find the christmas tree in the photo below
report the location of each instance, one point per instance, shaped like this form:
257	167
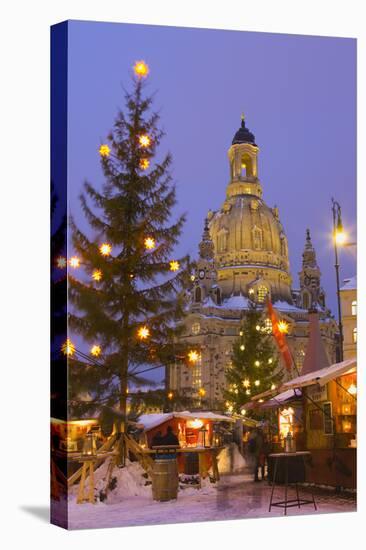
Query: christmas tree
130	301
254	367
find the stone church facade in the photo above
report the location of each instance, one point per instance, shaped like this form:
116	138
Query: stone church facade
243	258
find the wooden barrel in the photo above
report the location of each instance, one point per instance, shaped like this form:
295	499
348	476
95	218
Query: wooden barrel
165	479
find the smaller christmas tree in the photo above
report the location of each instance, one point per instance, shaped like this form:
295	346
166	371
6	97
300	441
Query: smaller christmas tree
254	366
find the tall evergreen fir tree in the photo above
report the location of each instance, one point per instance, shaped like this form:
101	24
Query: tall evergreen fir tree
254	367
130	301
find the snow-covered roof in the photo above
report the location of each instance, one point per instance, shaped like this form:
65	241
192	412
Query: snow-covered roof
285	306
236	302
350	284
150	421
322	376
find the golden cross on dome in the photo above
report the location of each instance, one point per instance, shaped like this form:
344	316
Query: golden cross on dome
243	117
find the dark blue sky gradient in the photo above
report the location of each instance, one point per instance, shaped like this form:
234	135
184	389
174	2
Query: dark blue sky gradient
299	97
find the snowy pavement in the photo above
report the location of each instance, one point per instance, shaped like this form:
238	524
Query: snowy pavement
234	497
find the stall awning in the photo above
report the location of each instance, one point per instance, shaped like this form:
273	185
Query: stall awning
275	402
150	421
321	376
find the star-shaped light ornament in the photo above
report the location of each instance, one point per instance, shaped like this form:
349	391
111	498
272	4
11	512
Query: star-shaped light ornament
74	262
104	150
141	69
96	350
246	383
68	348
282	327
144	140
193	356
105	249
61	262
202	392
174	265
143	332
144	164
149	243
97	275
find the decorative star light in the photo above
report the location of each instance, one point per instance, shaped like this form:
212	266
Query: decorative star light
61	262
193	356
202	392
104	150
149	243
143	332
68	347
144	140
282	327
74	261
105	249
141	69
246	383
96	350
174	265
97	275
144	164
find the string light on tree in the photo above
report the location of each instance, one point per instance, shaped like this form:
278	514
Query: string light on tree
257	363
243	412
242	347
74	262
174	265
104	150
97	275
246	383
270	361
143	332
149	243
68	348
141	69
273	387
257	383
105	249
96	350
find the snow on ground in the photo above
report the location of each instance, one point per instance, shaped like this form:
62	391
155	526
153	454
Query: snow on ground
235	496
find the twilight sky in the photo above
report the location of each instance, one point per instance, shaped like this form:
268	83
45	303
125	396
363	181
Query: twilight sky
298	94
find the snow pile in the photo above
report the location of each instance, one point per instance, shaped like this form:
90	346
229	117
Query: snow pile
230	460
131	481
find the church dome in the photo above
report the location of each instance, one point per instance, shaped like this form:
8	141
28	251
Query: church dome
250	244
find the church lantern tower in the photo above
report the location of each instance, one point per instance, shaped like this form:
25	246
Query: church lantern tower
205	275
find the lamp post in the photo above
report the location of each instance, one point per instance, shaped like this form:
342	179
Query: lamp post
339	238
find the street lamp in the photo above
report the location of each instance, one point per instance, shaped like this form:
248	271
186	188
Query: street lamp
339	238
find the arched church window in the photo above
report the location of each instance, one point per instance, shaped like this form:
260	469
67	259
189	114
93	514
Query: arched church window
354	335
246	166
354	307
283	246
257	238
198	294
262	293
218	296
222	240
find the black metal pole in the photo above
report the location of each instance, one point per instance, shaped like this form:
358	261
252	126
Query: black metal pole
336	213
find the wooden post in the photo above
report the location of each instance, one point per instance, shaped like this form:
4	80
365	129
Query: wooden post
88	467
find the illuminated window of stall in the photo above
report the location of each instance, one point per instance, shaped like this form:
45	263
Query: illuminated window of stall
286	421
354	335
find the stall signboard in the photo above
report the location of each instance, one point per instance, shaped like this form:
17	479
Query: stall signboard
317	393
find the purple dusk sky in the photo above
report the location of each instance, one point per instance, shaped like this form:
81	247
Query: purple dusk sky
298	94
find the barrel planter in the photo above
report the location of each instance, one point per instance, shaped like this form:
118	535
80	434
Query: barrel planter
165	479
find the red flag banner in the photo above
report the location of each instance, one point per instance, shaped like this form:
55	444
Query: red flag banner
279	329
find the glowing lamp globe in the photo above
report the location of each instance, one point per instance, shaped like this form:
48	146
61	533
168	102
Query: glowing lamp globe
352	389
340	237
141	69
